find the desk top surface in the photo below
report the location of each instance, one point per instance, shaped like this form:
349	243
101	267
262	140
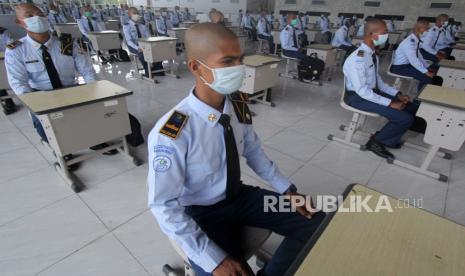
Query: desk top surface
42	102
104	32
259	60
321	46
157	39
406	241
66	24
452	64
443	96
179	29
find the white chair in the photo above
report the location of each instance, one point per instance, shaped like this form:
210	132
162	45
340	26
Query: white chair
399	78
252	240
289	61
263	46
356	124
340	53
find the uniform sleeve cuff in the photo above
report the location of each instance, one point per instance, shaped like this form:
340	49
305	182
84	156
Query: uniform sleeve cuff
280	183
211	257
386	101
424	71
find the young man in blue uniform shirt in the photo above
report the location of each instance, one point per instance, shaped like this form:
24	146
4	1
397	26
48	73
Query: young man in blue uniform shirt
368	92
194	184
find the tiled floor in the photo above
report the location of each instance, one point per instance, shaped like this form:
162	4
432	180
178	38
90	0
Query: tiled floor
46	229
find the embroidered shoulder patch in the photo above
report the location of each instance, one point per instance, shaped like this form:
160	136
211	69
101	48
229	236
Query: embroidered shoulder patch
14	44
173	126
361	53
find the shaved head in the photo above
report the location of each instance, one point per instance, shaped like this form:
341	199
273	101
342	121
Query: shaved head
132	10
25	10
420	27
205	39
375	26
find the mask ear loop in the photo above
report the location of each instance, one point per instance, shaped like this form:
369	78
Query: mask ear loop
206	66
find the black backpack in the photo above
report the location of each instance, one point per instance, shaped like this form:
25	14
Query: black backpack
310	68
135	138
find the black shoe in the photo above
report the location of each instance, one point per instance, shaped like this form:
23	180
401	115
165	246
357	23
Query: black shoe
8	106
396	146
159	74
72	167
378	149
104	145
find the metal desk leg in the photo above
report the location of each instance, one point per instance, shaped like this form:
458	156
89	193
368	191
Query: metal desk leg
149	67
62	168
126	153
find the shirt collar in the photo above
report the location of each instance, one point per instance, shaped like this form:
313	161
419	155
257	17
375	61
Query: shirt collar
37	45
366	48
206	112
414	37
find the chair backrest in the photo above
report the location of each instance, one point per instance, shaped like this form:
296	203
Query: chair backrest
343	100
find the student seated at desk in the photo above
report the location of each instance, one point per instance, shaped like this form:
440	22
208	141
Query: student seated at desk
300	30
249	25
101	16
432	46
365	90
216	17
162	24
264	31
323	22
282	21
55	17
8	105
175	17
132	32
87	23
390	25
361	28
288	39
41	62
149	17
342	40
194	181
408	60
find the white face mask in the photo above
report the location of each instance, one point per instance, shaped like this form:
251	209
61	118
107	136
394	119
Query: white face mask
445	24
226	80
135	17
381	40
37	24
53	11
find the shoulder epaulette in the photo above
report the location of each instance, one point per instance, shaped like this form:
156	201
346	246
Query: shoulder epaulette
174	125
14	44
412	40
361	53
239	102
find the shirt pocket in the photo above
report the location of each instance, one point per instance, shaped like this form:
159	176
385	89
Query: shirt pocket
35	67
203	171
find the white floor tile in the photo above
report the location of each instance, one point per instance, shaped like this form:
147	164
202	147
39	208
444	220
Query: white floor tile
457	177
455	205
20	162
144	239
30	193
43	238
11	141
125	196
104	257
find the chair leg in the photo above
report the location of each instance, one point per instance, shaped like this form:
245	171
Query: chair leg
351	129
398	83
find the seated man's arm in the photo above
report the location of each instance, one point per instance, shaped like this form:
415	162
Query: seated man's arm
386	88
428	41
127	36
415	61
83	65
17	73
167	168
260	163
355	73
81	27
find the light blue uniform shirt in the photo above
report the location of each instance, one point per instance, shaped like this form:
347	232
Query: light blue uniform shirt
83	24
431	38
149	16
130	33
286	37
56	18
162	25
261	27
361	30
175	18
408	52
191	170
390	26
282	22
361	76
270	19
26	69
341	37
247	22
5	39
324	24
100	15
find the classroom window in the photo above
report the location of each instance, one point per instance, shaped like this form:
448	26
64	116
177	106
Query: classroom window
372	4
440	5
318	2
291	2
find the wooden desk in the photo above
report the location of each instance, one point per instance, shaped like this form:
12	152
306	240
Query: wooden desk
112	25
79	117
261	74
443	109
325	52
105	40
159	48
178	33
187	24
453	73
458	51
68	28
406	241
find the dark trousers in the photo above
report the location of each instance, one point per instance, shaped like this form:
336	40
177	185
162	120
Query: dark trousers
295	54
447	51
39	128
303	39
429	56
140	55
328	36
410	71
222	224
270	41
252	33
399	121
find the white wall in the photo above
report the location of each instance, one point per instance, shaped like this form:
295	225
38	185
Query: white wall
226	6
411	9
